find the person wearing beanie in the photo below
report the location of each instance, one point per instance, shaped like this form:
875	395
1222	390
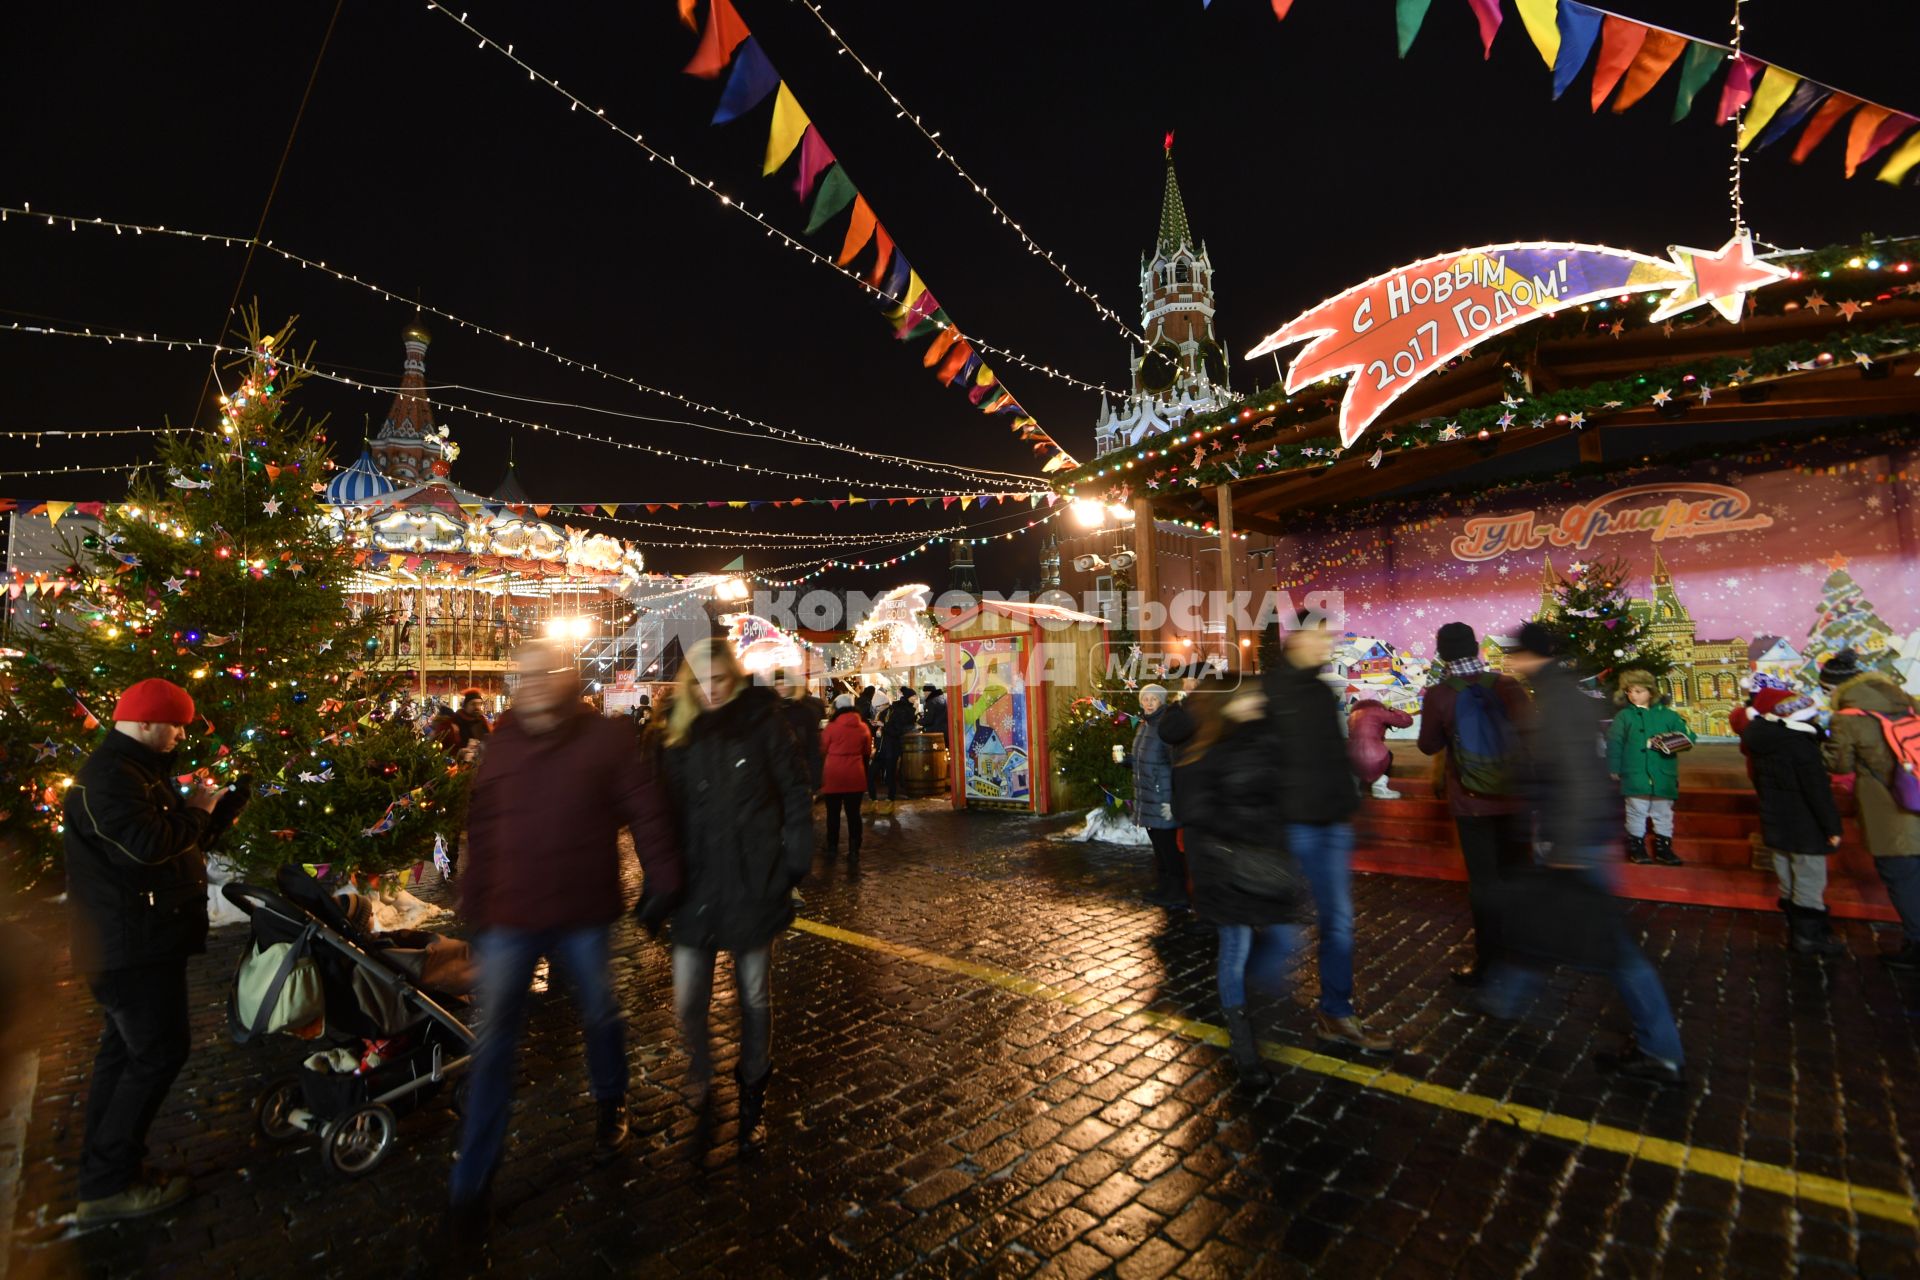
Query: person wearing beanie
470	721
933	711
847	748
901	719
1563	911
1152	766
1799	821
1840	668
1648	771
1486	813
136	853
1871	713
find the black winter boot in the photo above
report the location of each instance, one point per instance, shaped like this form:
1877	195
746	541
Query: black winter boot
1812	935
753	1102
1637	850
1243	1049
610	1134
1663	852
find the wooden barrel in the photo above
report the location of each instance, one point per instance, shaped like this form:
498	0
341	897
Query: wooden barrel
923	764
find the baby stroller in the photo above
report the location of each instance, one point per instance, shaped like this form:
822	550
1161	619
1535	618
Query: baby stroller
372	1006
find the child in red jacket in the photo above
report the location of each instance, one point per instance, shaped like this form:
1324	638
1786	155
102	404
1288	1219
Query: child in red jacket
1367	725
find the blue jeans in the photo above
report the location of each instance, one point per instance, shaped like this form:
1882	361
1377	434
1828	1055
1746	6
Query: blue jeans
1511	987
1902	878
1324	851
1254	953
506	959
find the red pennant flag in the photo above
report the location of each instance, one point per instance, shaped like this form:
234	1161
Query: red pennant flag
1280	8
652	507
882	255
859	231
937	349
1828	115
1487	14
956	361
1620	42
723	35
946	502
836	503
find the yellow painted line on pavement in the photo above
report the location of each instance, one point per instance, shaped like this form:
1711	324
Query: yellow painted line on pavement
1702	1161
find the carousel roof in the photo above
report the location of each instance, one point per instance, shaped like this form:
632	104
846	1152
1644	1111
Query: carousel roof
359	484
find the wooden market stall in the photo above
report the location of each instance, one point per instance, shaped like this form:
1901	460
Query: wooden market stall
1013	673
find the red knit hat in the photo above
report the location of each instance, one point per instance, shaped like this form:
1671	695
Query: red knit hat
1765	700
155	701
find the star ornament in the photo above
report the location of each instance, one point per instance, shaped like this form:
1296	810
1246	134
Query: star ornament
1721	279
175	585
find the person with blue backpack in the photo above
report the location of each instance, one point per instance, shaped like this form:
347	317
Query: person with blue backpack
1470	714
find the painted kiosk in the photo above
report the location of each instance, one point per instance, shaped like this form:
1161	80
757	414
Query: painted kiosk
1013	673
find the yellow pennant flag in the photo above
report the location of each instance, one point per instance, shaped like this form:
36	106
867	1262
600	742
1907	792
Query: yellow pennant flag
1901	161
915	287
1542	18
789	122
57	509
1776	86
851	499
737	505
611	508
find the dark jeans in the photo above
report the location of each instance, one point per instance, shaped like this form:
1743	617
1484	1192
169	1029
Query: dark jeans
847	802
1324	851
1169	863
1489	846
145	1044
1256	956
886	768
1902	878
1512	986
506	960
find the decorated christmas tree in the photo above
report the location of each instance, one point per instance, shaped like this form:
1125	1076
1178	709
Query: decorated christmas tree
1846	620
1599	633
226	575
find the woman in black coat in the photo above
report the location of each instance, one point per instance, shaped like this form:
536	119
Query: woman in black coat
744	803
1226	768
1798	819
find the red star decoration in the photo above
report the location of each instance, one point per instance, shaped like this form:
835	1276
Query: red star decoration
1835	562
1721	279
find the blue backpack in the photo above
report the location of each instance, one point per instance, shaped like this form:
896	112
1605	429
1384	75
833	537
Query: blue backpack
1482	740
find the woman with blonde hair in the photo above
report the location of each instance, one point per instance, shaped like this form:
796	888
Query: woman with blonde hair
744	801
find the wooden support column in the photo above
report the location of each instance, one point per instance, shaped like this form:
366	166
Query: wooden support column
1146	574
1590	446
1224	494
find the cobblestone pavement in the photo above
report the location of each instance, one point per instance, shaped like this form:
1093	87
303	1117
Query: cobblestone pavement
991	1059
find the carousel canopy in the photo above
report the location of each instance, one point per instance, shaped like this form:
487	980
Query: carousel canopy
359	484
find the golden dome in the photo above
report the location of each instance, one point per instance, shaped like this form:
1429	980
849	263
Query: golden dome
417	332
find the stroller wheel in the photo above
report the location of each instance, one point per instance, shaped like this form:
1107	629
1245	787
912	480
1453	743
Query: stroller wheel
459	1099
273	1110
359	1140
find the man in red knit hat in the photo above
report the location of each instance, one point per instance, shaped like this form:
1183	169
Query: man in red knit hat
137	880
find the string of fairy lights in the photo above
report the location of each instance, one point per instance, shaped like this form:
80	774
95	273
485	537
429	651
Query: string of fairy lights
201	344
576	103
75	222
979	188
889	562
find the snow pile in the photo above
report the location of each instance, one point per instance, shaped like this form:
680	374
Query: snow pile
1108	826
220	912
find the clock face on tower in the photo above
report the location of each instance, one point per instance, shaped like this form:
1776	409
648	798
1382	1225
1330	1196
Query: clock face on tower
1159	367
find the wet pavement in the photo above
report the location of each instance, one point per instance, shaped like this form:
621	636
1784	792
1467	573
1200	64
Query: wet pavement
992	1058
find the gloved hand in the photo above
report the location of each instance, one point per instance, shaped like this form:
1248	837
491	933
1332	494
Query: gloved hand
1166	811
653	909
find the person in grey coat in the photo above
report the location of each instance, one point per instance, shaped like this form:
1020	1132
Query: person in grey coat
1153	801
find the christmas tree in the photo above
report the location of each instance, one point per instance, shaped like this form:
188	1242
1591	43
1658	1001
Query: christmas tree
1597	631
227	576
1846	620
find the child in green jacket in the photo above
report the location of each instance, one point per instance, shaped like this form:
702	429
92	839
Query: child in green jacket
1649	777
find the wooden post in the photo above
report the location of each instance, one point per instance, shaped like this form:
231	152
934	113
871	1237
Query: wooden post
1224	495
1146	574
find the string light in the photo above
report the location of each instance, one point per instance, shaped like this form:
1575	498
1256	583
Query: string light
201	344
728	202
785	434
891	561
68	471
90	432
1739	128
979	189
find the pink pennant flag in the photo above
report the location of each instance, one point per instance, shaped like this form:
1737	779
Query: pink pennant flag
1487	14
1738	89
814	158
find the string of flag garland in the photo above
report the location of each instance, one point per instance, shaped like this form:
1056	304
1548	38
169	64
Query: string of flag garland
823	567
940	149
726	45
359	384
1765	99
782	434
835	184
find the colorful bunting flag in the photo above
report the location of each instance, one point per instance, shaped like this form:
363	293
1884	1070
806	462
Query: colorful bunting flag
1701	62
814	157
859	230
1620	42
725	32
752	80
1542	23
1660	50
1895	170
882	255
1487	14
1579	27
1737	88
789	123
1407	17
1831	112
836	193
1776	86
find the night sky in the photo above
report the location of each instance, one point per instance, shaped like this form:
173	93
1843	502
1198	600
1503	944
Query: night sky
1309	155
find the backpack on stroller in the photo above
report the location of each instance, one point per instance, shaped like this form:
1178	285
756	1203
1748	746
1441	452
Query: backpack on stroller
372	1006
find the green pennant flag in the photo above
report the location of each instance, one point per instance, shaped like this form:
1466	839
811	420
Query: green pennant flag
1701	62
1408	15
933	324
836	193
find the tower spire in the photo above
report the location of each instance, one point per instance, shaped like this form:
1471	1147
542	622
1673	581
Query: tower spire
1174	231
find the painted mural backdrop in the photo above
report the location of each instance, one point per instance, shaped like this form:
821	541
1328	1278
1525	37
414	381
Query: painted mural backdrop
994	726
1736	567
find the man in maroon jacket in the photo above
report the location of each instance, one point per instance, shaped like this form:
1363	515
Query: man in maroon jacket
542	878
1493	827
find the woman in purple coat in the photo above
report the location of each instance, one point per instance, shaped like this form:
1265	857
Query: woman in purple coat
1367	725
